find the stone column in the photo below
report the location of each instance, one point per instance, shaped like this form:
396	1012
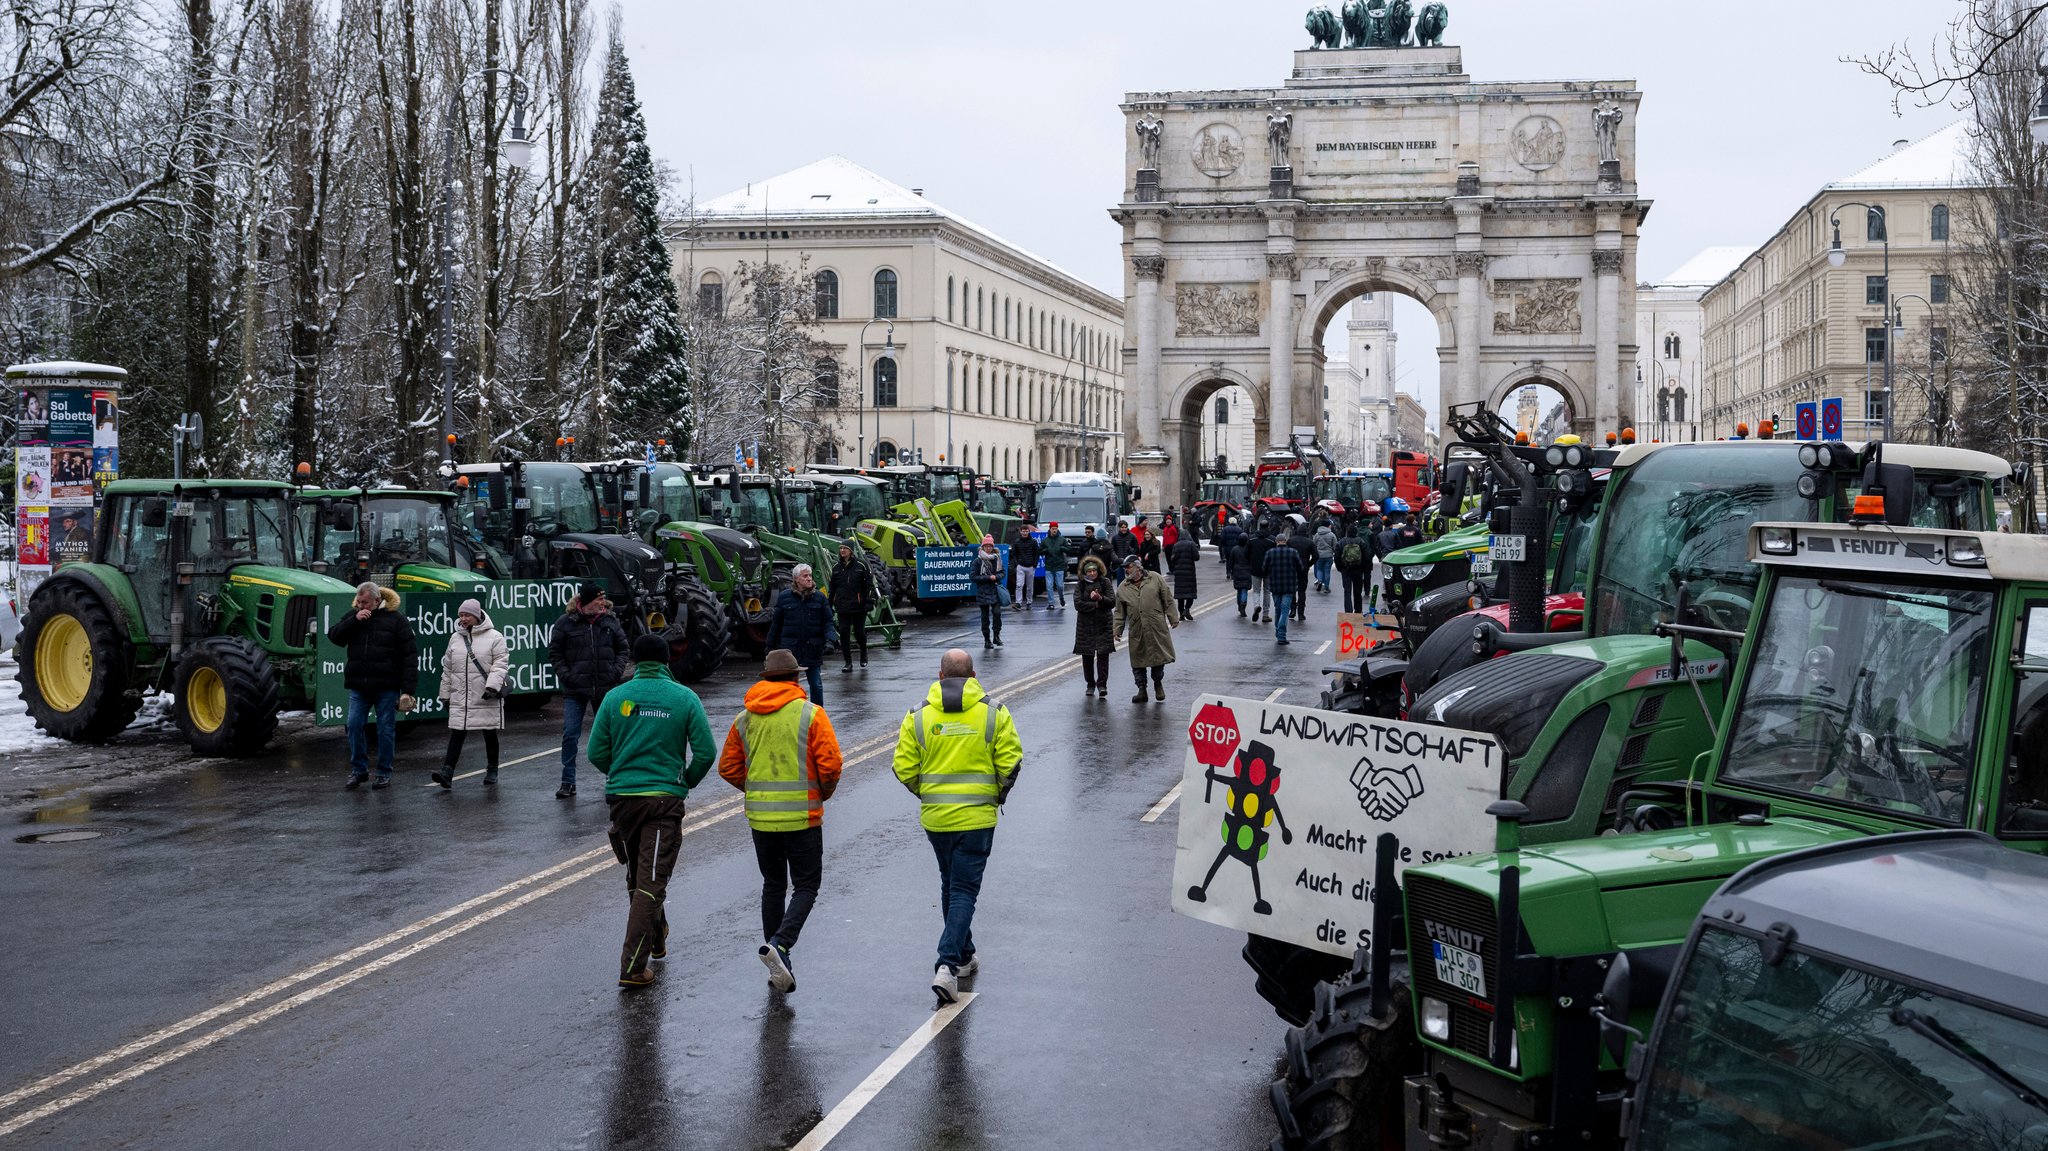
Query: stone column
1280	362
1606	342
1150	270
1471	316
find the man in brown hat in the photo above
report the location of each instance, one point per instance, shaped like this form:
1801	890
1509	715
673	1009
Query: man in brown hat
782	753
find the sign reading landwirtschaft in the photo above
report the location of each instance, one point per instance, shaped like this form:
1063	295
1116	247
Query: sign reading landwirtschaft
523	611
1298	863
948	572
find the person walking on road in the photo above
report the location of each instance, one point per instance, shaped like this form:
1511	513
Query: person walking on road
1145	613
1123	545
1023	567
653	743
1094	633
1054	549
589	650
959	754
1228	537
1182	559
1285	574
382	664
1150	553
1241	577
1304	547
1256	545
802	622
988	592
1095	545
1325	541
1169	533
853	597
782	753
473	674
1354	564
1400	533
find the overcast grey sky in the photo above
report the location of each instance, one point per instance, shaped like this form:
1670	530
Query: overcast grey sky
1007	113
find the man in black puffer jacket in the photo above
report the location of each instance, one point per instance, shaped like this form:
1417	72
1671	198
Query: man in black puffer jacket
588	648
383	664
853	597
1023	568
802	622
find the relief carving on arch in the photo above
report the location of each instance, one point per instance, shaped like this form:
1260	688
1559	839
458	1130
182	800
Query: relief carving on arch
1216	310
1429	269
1537	307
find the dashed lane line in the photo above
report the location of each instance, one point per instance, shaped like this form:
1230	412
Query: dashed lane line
1324	648
865	1092
1153	813
1277	693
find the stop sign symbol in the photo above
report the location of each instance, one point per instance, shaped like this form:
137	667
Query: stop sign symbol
1214	734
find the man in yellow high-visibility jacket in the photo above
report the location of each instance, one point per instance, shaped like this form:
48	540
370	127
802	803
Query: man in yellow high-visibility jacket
958	752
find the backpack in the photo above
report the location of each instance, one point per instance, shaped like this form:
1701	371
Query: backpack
1352	556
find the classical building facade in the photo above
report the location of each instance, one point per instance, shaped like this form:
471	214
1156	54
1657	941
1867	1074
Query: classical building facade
1253	216
1358	399
1669	325
1786	326
1002	362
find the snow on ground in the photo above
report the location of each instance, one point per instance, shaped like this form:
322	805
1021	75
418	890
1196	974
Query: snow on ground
18	733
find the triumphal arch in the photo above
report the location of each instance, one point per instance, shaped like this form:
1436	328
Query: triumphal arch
1252	216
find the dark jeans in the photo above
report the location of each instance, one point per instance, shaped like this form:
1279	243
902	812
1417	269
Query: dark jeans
814	675
573	712
1158	675
1354	591
455	739
991	612
1095	668
1283	610
1187	607
853	632
963	855
648	828
359	706
788	859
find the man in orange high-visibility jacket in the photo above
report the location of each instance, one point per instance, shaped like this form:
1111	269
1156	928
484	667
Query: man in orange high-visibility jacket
783	754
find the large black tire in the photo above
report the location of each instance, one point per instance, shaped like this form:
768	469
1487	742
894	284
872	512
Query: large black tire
701	647
1341	1090
72	612
1288	974
226	697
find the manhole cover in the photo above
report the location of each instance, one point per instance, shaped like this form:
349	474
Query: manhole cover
69	834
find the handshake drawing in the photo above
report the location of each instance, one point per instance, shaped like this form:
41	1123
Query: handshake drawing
1384	792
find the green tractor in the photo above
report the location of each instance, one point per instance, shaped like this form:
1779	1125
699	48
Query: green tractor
942	484
191	589
1892	678
409	540
914	522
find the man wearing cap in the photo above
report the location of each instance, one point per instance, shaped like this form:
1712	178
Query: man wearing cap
1054	549
588	649
653	744
782	753
959	754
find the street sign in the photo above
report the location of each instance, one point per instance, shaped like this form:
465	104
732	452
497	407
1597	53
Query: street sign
1213	734
1509	549
1806	420
1302	869
1358	633
1831	419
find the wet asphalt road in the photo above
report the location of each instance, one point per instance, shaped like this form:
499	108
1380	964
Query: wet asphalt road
415	968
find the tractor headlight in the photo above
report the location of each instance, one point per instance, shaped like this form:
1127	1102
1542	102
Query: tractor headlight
1415	573
1436	1017
1966	551
1776	541
1808	485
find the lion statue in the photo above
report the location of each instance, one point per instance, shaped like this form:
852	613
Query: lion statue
1429	27
1323	28
1400	17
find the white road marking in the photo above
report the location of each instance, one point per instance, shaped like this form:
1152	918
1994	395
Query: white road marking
1277	692
864	1093
506	764
1324	648
1153	813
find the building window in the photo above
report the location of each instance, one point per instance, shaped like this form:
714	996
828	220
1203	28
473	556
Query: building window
885	383
825	375
826	294
1937	223
1678	404
885	452
1873	290
1937	288
980	312
1006	317
1873	224
1873	407
711	294
949	299
1937	345
885	294
1673	347
1873	345
827	453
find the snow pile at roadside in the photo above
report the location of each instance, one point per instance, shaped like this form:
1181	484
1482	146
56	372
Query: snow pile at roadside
17	731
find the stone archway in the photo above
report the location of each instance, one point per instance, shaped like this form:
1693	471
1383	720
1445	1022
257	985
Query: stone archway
1509	210
1188	407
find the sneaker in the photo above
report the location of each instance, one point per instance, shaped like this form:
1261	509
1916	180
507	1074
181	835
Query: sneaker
847	668
946	985
780	975
380	783
641	978
971	968
354	781
445	777
566	791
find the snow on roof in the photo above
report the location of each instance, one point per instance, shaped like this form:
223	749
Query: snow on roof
837	188
68	369
1707	268
1938	160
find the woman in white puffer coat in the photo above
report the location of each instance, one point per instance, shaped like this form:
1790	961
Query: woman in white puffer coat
473	676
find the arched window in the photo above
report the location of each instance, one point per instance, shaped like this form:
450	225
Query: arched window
1937	223
885	383
1006	317
1673	347
826	453
885	452
885	294
1222	410
1678	404
826	294
949	299
825	373
980	312
711	294
980	383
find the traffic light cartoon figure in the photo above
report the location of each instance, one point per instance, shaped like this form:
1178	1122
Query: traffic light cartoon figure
1252	809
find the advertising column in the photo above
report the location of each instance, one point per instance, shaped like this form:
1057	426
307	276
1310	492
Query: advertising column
67	446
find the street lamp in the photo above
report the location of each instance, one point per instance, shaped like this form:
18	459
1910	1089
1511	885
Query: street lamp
1897	326
518	153
860	401
1837	257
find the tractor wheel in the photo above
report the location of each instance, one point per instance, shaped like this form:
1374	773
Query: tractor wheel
700	648
226	696
1288	974
1342	1087
878	574
75	666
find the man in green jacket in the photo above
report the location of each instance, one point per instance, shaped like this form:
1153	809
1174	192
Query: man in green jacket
958	752
653	743
1054	551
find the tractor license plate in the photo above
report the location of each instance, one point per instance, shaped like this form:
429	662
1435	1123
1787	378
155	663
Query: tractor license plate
1460	968
1513	549
1482	565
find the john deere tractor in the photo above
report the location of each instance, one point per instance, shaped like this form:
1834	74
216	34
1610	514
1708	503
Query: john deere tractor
191	590
410	540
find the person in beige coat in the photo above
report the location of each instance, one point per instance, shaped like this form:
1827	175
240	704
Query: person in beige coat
1145	612
473	677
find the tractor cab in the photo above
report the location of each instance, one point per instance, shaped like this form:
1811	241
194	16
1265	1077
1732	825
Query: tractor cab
411	540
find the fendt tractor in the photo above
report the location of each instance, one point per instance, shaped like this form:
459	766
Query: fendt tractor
1893	678
191	590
